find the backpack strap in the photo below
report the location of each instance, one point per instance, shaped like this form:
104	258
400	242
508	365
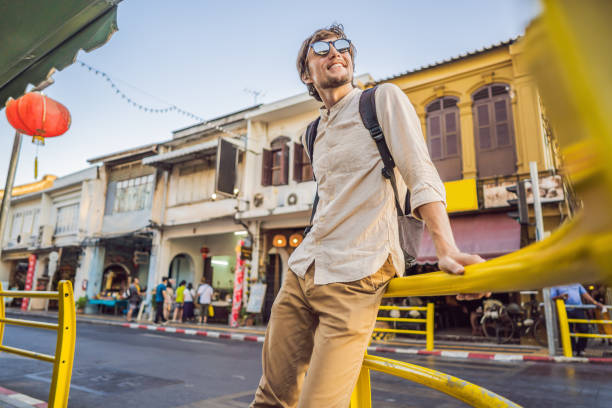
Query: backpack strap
311	135
367	110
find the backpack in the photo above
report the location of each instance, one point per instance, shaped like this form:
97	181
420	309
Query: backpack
410	229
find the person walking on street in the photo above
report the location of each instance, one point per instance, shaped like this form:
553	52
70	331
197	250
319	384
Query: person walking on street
160	293
178	303
323	316
573	295
169	299
188	296
133	298
205	292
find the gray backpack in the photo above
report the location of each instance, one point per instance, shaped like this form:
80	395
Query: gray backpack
410	228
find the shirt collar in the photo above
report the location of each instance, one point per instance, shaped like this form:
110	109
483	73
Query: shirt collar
325	113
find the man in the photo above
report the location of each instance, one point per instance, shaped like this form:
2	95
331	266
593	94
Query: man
160	295
323	316
205	292
178	303
133	298
573	295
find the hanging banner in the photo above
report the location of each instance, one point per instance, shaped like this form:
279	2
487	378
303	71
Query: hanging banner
29	280
238	285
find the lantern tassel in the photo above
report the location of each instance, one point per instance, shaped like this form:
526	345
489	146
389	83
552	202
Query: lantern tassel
36	167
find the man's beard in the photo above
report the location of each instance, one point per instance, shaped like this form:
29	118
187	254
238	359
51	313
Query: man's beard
331	83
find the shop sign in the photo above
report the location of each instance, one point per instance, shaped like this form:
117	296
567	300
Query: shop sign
238	286
140	258
246	253
496	195
29	280
256	298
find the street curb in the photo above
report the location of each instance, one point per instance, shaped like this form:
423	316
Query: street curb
20	400
503	357
193	332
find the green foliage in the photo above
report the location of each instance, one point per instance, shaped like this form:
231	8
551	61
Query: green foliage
81	302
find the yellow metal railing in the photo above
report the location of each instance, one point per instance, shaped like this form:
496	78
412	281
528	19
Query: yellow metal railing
66	335
564	323
429	322
462	390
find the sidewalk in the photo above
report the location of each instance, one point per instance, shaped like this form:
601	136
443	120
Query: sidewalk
448	346
13	399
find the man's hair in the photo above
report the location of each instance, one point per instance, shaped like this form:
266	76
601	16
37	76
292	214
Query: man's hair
165	278
302	64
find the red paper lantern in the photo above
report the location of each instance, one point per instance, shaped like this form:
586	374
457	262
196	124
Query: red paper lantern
37	115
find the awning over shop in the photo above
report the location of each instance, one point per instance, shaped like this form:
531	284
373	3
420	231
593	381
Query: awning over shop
40	36
181	155
488	235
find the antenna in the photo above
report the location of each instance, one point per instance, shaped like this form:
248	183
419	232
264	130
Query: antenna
255	93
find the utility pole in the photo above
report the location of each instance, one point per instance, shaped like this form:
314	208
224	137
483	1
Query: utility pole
549	312
10	177
256	94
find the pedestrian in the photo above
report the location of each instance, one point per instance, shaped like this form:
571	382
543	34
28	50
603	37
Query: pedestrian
134	298
323	316
178	303
160	293
188	296
205	292
169	299
573	295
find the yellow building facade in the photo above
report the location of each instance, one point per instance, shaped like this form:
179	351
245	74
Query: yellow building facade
461	78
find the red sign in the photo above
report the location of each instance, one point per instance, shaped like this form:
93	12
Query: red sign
29	280
238	280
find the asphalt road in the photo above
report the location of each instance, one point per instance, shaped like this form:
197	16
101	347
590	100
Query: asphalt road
118	367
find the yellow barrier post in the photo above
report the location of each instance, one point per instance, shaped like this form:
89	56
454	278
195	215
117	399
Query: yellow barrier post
362	394
564	326
1	316
64	351
429	327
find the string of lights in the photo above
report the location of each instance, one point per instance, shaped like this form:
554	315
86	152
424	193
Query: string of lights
149	109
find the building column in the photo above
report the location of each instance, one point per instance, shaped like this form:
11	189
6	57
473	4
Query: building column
93	269
468	139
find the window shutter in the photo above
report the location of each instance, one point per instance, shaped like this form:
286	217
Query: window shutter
266	168
284	164
297	162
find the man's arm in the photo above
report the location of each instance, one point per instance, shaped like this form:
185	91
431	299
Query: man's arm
590	299
450	258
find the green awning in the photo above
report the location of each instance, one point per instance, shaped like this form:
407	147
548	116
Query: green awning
40	36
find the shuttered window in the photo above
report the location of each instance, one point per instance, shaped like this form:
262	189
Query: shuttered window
493	131
492	110
302	170
443	138
275	163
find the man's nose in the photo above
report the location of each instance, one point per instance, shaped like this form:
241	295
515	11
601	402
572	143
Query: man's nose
333	52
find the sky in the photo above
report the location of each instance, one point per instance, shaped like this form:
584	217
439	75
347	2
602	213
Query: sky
201	56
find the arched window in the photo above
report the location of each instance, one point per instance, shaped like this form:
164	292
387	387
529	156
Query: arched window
443	137
275	165
495	152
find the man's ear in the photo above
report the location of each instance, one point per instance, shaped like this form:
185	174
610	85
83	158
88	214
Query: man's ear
306	77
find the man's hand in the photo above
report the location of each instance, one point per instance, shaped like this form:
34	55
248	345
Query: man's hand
454	264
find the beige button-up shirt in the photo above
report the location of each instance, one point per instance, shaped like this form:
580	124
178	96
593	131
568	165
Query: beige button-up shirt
355	226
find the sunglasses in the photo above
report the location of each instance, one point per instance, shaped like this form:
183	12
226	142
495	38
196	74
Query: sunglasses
322	47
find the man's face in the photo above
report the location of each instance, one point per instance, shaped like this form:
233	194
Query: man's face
136	281
329	71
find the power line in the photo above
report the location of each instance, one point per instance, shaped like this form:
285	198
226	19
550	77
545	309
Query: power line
150	109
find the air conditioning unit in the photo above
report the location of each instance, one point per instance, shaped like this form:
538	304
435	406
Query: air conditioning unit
292	198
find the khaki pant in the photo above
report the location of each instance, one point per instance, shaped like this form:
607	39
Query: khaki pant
324	329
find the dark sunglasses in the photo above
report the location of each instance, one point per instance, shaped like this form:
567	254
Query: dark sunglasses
323	47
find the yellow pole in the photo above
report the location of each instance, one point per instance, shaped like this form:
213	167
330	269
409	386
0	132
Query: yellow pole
564	325
429	327
64	349
1	315
362	394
